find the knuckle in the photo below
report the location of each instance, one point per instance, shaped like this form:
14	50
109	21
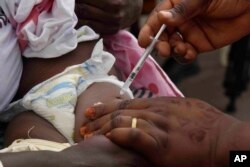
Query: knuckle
116	122
116	114
157	110
124	104
180	9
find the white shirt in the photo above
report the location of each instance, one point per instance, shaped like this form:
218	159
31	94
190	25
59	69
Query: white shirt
52	35
10	62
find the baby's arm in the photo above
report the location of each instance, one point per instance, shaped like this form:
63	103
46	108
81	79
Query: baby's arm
36	70
97	92
29	125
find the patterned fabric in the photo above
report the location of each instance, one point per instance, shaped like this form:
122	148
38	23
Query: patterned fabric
151	77
3	18
143	93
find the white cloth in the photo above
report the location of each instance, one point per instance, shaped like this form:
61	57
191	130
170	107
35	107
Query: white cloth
1	164
56	98
10	62
34	145
44	28
40	28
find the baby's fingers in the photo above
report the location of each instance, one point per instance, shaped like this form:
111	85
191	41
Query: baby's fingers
101	109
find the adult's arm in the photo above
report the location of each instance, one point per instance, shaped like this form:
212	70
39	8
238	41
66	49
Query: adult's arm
171	131
36	159
96	152
108	16
203	25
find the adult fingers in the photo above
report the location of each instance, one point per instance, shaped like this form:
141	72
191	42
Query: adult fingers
139	140
100	126
162	44
183	52
183	11
125	122
99	110
152	25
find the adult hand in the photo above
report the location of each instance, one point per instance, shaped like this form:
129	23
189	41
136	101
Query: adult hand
108	16
99	151
172	132
196	26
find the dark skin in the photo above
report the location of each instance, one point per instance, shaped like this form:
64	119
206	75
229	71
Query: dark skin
171	131
105	152
32	75
96	152
108	16
97	92
205	25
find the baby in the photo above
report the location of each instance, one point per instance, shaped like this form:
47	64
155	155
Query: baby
58	104
86	76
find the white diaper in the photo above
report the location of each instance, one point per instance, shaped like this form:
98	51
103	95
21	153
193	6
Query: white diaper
55	99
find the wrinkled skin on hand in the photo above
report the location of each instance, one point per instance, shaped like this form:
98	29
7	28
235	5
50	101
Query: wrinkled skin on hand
99	151
170	131
108	16
204	25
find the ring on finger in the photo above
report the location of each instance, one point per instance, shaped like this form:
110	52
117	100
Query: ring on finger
134	123
179	34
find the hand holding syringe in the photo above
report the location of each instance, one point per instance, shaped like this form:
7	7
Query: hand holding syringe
140	63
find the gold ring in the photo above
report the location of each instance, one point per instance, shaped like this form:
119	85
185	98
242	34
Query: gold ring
134	123
179	34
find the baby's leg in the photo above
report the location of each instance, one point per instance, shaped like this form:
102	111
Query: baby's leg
29	125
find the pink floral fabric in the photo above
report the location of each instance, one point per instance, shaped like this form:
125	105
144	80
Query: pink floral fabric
125	48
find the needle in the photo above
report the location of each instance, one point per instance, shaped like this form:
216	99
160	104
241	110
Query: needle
141	61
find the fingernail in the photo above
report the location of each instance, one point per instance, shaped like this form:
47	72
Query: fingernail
90	113
88	135
98	103
167	14
83	131
108	135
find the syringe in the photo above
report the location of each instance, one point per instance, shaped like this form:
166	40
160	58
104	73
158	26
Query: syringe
140	63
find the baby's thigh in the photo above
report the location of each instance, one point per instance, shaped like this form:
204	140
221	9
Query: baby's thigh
29	125
97	92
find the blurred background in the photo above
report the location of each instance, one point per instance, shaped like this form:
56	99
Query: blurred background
220	78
